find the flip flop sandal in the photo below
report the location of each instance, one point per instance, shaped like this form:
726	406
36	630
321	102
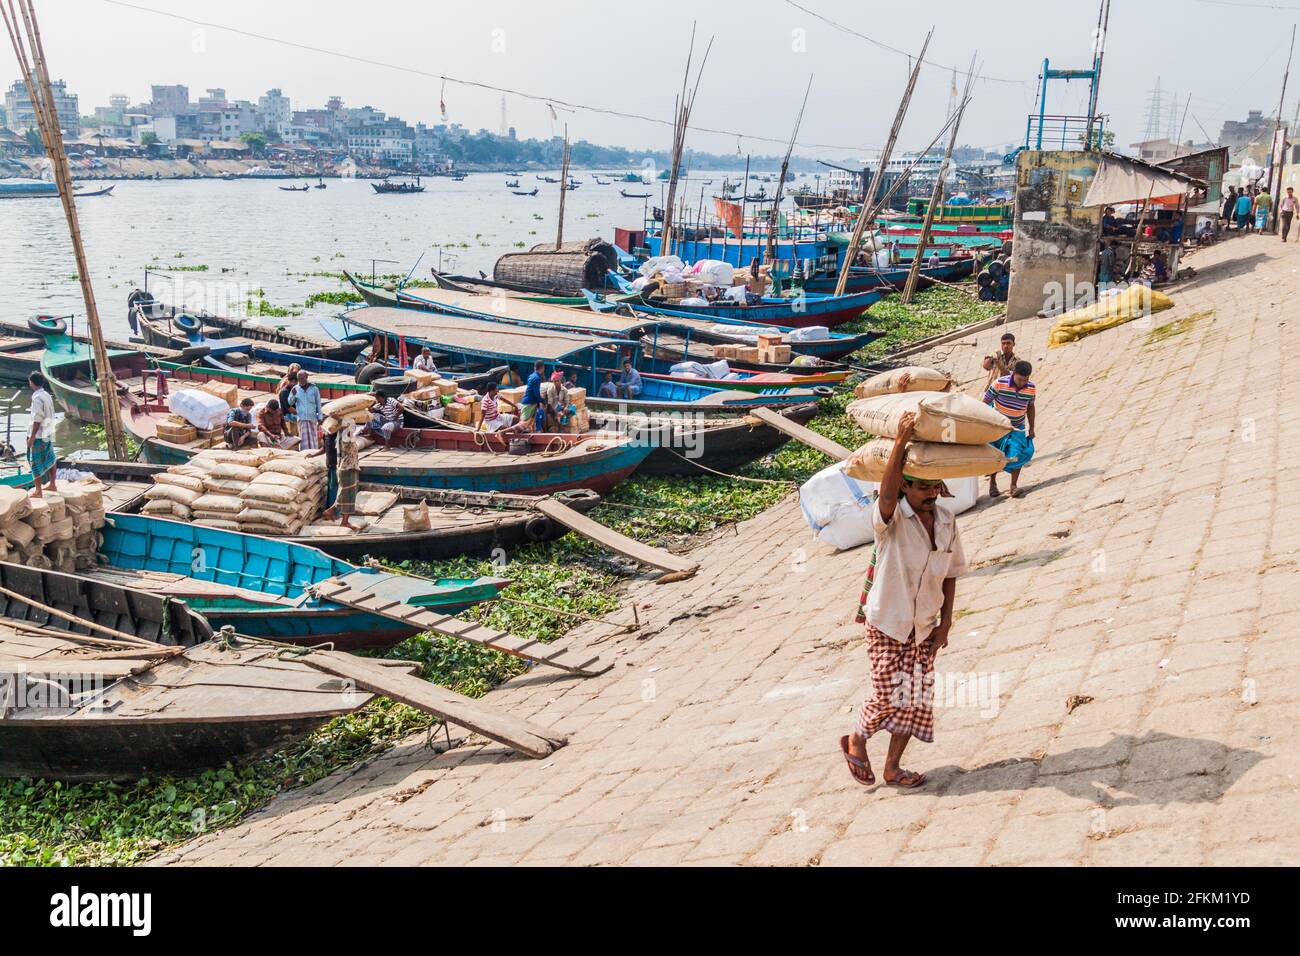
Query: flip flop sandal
906	780
868	779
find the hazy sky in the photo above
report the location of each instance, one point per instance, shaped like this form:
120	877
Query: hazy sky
629	57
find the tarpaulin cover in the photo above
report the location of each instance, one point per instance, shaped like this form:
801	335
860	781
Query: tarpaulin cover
1118	181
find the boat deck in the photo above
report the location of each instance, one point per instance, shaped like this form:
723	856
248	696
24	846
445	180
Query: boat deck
178	585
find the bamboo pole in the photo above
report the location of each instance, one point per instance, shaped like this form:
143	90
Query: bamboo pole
31	60
683	106
780	186
868	211
564	189
936	197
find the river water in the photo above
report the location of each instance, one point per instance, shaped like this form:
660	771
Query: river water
252	236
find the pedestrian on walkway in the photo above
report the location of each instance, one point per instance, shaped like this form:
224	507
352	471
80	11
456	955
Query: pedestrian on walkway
1004	359
1229	206
1263	206
1286	211
306	402
1013	395
907	606
1243	211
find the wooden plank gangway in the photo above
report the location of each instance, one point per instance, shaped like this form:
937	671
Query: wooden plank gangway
614	541
581	663
801	433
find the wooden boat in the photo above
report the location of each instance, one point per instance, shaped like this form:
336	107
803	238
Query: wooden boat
756	381
446	459
69	367
320	184
627	195
464	523
807	310
864	280
295	189
35	188
548	179
106	191
171	328
520	192
512	185
20	355
387	188
263	586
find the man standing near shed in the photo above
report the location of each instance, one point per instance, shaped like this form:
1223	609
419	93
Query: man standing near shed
1286	210
907	606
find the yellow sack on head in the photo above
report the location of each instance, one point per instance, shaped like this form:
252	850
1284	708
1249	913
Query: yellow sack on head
929	461
950	417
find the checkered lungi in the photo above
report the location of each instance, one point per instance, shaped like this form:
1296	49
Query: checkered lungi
902	682
309	432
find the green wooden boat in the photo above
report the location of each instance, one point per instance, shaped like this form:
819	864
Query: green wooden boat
70	369
374	294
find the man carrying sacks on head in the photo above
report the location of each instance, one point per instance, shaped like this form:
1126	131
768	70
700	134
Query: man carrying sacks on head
907	606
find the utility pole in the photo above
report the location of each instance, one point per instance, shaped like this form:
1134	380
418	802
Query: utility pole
1275	168
936	198
31	60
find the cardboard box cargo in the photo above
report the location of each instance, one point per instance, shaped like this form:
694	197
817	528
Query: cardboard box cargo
447	387
458	414
227	393
422	379
777	355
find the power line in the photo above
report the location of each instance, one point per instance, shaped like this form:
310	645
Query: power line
892	49
622	114
1255	6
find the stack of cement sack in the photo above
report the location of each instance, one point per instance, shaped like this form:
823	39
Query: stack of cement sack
267	491
351	409
951	443
59	530
952	433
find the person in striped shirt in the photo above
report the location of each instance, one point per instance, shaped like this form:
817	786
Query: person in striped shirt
1013	395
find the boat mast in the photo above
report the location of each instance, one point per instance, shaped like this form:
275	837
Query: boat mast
780	186
564	188
681	120
31	60
936	198
869	205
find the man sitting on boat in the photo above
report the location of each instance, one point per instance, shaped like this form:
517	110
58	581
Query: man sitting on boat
532	411
629	385
270	426
608	388
385	417
240	430
494	420
424	361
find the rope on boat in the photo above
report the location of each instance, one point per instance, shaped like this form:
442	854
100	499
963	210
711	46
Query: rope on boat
761	481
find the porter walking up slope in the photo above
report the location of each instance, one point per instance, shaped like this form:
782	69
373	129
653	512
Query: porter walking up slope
1118	687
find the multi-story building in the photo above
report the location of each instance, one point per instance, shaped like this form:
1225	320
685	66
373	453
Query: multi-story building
169	100
276	111
1257	128
20	115
391	141
214	102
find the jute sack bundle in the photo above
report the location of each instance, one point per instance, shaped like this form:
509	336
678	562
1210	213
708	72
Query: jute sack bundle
950	417
14	505
886	383
58	507
1106	313
284	481
180	481
259	491
235	472
929	461
220	504
223	486
174	493
20	533
279	507
259	516
81	524
342	407
40	514
64	530
298	467
416	518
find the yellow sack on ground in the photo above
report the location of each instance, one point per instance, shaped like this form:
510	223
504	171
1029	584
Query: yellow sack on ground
949	417
886	383
1108	312
929	461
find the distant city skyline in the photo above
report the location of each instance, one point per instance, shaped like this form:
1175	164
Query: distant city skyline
761	58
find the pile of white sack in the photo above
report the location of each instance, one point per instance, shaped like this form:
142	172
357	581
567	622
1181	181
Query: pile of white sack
58	531
268	491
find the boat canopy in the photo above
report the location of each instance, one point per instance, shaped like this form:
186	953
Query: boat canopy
462	334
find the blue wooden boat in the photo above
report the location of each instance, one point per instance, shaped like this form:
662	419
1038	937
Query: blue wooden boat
261	586
801	312
865	279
